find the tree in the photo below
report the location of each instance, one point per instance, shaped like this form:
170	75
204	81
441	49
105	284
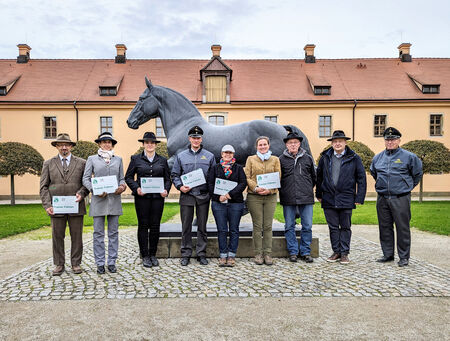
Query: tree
435	157
364	152
161	149
18	159
84	149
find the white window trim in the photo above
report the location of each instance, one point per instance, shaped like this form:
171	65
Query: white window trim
217	113
331	126
100	124
442	125
271	115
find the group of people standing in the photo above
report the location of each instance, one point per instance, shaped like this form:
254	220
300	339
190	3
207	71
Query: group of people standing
339	179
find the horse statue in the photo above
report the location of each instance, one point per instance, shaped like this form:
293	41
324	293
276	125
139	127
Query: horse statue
178	115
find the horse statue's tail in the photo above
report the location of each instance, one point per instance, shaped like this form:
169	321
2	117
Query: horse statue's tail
293	129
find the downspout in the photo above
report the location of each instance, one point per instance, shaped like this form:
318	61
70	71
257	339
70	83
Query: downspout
353	119
76	118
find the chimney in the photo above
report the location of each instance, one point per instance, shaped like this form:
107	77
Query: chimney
24	53
216	50
121	57
309	53
404	52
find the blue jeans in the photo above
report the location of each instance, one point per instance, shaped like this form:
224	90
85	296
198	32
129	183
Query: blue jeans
306	215
228	217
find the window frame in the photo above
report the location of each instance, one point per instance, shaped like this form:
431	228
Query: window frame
430	87
108	90
267	118
375	124
433	125
325	126
319	90
159	126
225	98
101	131
51	137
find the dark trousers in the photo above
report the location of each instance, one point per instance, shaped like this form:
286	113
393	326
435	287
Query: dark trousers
339	222
149	212
392	210
76	237
187	215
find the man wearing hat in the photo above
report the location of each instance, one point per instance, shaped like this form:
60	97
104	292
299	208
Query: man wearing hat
298	178
341	184
62	176
396	172
193	158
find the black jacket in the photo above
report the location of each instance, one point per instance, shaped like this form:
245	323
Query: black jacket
346	193
141	166
237	175
298	178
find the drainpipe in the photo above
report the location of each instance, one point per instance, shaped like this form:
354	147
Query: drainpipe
76	117
353	119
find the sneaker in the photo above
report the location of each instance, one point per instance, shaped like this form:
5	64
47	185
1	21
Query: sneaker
307	258
268	260
293	258
112	268
231	262
259	260
101	269
344	259
222	262
334	257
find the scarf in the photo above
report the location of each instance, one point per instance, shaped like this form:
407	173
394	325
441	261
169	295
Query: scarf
106	155
265	156
226	166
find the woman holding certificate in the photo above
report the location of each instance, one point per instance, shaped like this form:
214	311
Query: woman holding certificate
226	182
107	185
151	186
262	181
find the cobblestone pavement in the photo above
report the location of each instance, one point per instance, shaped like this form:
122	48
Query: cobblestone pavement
362	277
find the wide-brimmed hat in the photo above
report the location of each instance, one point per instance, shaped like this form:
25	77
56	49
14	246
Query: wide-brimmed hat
391	134
291	136
338	134
106	136
195	131
149	136
228	148
63	138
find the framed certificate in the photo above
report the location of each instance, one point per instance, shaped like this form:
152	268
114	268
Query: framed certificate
222	186
106	184
268	180
64	204
152	185
194	178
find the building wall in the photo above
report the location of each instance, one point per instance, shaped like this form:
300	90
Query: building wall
24	123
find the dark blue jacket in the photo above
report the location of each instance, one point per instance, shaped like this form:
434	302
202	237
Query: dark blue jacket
396	171
351	186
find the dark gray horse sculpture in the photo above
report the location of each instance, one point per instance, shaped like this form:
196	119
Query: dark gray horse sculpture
178	115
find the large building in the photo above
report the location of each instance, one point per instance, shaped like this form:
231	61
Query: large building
40	98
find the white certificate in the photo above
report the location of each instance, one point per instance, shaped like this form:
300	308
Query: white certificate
268	180
222	186
194	178
152	185
64	204
106	184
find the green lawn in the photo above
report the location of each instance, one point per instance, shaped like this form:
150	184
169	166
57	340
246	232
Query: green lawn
432	216
24	218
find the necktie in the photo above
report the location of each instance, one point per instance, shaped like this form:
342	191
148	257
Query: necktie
65	167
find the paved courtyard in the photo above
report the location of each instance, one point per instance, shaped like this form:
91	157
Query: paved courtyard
362	277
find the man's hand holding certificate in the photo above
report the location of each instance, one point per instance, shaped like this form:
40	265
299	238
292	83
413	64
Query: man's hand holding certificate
268	180
104	184
193	179
64	204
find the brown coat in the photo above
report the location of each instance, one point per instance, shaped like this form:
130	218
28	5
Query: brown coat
53	181
255	166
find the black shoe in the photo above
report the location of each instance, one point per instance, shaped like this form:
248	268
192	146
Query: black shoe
112	268
403	262
184	261
202	260
385	259
293	258
307	259
101	269
154	260
147	262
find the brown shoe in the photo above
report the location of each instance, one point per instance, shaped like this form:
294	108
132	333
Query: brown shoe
231	262
77	269
268	260
258	260
334	257
344	259
222	262
58	270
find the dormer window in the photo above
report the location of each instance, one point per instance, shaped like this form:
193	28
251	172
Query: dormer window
319	85
216	78
322	90
216	89
2	90
430	89
426	86
6	86
110	86
108	91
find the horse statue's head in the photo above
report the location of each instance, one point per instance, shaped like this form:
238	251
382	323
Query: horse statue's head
146	108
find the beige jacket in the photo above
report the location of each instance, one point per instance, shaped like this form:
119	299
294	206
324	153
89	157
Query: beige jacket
255	166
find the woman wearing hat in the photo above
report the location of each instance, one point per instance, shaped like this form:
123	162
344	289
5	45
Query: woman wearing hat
105	163
227	208
149	206
261	201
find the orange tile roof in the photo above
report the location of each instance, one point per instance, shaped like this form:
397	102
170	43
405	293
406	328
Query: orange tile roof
62	80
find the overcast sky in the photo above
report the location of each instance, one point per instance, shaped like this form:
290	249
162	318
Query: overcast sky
244	28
